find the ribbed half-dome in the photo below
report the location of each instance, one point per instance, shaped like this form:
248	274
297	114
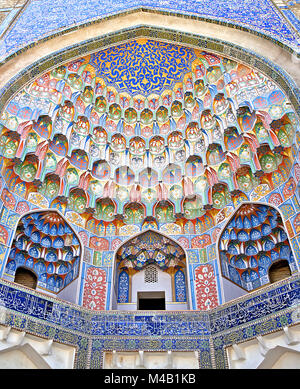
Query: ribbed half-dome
45	243
252	240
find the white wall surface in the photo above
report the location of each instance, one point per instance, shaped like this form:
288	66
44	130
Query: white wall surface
151	360
277	350
164	284
41	353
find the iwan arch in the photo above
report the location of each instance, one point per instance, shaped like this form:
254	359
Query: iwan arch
176	172
150	272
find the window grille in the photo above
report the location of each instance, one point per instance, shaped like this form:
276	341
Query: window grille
151	274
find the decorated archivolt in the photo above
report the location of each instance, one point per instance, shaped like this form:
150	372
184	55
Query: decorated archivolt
179	131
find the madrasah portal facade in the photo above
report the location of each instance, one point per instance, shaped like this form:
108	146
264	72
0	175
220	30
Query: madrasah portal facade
149	184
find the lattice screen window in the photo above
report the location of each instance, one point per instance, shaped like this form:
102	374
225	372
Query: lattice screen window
151	274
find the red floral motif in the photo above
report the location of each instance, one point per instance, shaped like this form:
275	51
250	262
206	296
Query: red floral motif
22	207
116	243
195	113
211	59
275	199
215	234
201	241
220	84
297	171
3	235
220	216
181	123
206	288
289	188
296	223
80	106
94	118
8	199
289	228
67	91
146	131
99	244
128	130
94	295
184	242
84	238
207	101
111	125
165	129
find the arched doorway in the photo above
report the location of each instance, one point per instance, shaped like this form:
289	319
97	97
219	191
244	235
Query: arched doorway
279	270
25	277
150	274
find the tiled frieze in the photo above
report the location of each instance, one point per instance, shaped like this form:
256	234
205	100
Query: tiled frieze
43	18
209	333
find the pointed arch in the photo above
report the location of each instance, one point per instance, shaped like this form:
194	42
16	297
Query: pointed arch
252	240
150	248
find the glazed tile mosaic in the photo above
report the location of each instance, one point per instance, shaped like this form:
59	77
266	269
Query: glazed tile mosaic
163	135
9	11
255	315
170	154
52	16
149	186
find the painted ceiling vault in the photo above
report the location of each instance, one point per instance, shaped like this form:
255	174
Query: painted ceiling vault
45	243
141	161
146	133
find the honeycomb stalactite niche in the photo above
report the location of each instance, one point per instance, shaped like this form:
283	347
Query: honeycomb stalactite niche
253	243
151	262
46	245
140	146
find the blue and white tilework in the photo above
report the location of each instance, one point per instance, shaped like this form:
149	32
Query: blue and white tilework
41	18
261	312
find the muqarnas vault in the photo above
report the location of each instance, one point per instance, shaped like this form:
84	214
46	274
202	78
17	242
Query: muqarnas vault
150	213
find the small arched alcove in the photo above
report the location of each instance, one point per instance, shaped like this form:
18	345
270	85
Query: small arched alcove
254	250
25	277
45	255
150	274
279	270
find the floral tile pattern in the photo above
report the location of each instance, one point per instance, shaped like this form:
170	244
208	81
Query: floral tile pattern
41	18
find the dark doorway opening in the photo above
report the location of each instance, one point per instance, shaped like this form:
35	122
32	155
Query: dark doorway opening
151	301
152	304
279	270
25	277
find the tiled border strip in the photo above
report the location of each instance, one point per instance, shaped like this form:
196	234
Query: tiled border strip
211	347
226	49
191	15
